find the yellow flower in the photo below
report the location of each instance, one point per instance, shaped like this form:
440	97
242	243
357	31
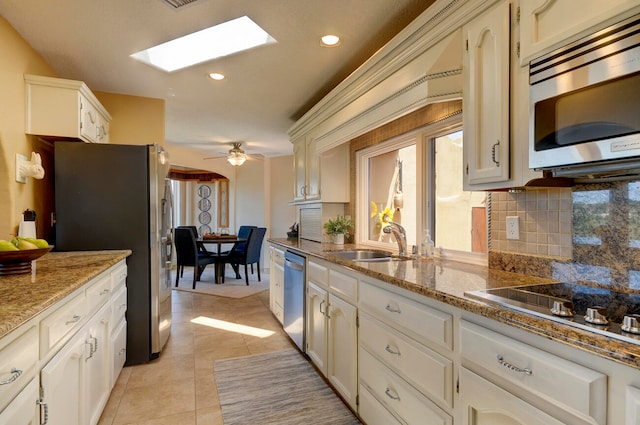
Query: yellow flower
374	209
386	212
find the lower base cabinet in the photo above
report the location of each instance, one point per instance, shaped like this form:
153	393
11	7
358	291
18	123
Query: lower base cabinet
23	410
484	403
332	334
62	384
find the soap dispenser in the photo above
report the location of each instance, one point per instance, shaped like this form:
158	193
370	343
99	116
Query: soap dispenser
427	247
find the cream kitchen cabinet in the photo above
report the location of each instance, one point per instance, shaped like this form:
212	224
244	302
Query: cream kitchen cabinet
545	25
276	282
66	354
22	410
320	177
60	109
486	96
118	333
332	332
404	354
484	403
561	388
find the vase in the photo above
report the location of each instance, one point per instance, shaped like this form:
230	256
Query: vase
338	239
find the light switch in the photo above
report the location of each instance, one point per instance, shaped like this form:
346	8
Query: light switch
513	228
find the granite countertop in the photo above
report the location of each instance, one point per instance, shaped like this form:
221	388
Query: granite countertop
447	281
56	275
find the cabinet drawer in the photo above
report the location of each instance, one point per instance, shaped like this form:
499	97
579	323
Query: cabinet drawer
317	273
278	256
397	395
345	285
372	411
60	325
424	323
119	351
425	369
99	293
574	388
18	361
118	307
118	277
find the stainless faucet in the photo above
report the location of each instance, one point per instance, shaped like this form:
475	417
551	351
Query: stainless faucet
399	233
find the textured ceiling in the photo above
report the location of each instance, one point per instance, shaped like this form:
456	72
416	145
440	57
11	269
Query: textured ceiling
266	89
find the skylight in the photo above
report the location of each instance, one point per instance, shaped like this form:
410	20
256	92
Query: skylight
220	40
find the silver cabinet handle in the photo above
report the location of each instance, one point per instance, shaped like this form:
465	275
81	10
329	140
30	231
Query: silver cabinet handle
104	292
391	350
44	407
15	374
392	309
323	313
391	394
493	152
509	366
74	319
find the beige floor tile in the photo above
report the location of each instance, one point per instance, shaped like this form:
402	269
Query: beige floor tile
209	416
179	387
155	401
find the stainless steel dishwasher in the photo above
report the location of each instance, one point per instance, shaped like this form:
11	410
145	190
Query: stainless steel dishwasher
294	297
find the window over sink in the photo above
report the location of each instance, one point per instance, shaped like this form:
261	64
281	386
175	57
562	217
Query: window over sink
416	179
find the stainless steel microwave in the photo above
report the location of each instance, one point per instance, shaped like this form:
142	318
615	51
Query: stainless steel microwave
585	105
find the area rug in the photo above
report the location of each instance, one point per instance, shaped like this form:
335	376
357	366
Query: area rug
231	288
278	388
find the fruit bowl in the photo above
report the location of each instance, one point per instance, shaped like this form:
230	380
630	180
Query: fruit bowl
18	262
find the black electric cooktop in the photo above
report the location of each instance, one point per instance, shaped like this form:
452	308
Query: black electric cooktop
604	311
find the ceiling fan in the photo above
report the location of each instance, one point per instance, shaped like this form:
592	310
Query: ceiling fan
236	155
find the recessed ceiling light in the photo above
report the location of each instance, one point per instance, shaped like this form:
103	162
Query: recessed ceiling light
330	40
210	43
216	76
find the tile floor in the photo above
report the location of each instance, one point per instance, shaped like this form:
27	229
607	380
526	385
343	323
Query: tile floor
179	388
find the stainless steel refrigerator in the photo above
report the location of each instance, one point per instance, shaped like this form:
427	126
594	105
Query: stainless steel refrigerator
119	197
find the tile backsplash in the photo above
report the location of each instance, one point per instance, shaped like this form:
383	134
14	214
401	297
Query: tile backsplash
587	233
545	221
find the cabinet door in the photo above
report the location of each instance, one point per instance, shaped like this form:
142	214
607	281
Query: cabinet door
88	121
312	174
23	410
97	366
299	149
484	403
544	24
63	385
342	356
317	303
486	96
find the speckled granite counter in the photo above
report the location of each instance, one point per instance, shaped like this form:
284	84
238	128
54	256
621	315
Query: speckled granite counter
57	274
447	281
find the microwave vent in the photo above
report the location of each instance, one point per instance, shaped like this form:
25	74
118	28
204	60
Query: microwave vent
179	3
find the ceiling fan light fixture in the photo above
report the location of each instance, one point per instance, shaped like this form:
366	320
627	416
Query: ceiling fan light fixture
236	155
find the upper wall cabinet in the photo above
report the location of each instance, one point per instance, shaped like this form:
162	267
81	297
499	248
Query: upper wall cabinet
485	97
320	177
59	109
548	24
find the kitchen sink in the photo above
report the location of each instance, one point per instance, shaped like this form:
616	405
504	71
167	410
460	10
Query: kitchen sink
358	255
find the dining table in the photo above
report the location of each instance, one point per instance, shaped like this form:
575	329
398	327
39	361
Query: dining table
219	241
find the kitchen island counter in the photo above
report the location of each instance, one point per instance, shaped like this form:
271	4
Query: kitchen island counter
447	281
56	275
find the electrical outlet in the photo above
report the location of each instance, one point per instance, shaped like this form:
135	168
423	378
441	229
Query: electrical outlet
513	228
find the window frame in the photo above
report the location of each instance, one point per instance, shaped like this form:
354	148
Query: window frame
423	138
